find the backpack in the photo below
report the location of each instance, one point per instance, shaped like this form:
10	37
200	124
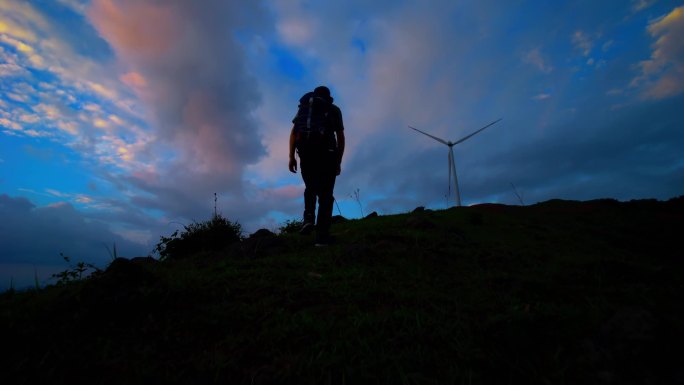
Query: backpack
311	125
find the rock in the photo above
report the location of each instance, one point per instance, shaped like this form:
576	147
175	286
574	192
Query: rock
262	233
263	242
338	219
374	214
119	285
144	261
126	271
418	209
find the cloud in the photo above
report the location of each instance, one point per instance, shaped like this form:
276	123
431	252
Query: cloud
662	75
448	69
10	124
34	43
422	66
35	236
606	46
541	96
582	42
78	6
134	80
19	20
621	155
12	70
181	99
188	69
640	5
18	45
535	58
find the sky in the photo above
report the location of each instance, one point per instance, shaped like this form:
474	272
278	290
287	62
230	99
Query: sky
120	119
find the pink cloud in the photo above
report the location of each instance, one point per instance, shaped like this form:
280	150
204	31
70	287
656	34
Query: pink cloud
190	76
288	192
134	80
135	28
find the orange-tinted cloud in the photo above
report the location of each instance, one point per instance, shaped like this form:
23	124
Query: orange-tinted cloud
134	80
663	73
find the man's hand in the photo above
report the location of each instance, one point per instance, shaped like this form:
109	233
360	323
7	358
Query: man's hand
293	164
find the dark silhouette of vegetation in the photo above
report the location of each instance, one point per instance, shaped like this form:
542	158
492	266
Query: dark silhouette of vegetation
518	195
214	235
291	226
559	292
73	273
356	195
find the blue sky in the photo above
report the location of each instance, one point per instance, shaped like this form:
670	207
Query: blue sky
119	119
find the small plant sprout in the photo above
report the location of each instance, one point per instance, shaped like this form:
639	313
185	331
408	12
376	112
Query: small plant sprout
356	195
517	194
215	201
338	206
36	281
112	253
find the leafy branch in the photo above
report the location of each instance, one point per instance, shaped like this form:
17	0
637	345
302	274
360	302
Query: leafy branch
74	272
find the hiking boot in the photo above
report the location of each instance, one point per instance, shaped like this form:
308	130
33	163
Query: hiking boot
323	240
307	228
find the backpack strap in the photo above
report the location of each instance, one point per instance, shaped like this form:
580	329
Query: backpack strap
308	118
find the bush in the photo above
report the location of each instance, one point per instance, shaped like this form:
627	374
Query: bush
291	226
212	235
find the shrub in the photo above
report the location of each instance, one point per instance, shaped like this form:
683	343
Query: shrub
212	235
291	226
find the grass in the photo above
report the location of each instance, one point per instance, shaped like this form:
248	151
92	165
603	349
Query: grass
559	292
36	281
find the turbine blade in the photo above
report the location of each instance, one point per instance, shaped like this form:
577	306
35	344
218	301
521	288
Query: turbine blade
453	169
478	131
433	137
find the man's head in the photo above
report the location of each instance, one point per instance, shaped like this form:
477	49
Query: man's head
323	92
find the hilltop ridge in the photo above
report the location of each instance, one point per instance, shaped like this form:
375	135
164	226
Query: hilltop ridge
556	292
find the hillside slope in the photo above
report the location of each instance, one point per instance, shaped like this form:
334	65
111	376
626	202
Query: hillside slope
560	292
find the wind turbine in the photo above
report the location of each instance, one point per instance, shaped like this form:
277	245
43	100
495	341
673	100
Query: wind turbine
452	163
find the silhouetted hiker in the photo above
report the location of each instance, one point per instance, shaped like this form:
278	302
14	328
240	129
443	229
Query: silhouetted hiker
318	136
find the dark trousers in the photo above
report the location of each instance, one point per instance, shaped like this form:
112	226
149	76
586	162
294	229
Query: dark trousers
319	173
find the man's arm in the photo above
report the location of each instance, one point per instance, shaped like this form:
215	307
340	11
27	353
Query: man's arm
293	162
339	132
340	150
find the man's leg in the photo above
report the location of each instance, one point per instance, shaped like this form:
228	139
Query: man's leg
310	190
325	197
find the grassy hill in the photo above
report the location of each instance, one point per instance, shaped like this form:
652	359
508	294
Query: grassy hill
560	292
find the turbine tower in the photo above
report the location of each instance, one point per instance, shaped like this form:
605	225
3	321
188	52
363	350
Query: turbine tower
452	162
